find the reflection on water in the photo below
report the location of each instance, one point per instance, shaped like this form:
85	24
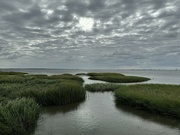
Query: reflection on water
52	110
99	115
171	122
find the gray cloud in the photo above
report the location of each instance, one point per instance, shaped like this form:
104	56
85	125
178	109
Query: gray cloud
125	33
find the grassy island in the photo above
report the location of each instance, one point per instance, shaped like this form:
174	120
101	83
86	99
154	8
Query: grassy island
116	78
157	98
21	96
101	87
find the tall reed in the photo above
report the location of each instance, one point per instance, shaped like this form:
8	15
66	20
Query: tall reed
57	94
18	117
101	87
157	98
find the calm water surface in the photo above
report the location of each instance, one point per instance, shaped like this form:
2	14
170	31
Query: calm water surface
99	114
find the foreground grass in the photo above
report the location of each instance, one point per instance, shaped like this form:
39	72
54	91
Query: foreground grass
18	117
101	87
157	98
116	78
21	95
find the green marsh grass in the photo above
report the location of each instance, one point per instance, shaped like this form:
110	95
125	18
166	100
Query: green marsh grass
57	94
81	74
21	95
116	78
101	87
40	76
18	117
67	77
158	98
42	90
12	73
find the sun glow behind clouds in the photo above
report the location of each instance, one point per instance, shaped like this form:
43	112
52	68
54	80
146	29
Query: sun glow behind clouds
86	24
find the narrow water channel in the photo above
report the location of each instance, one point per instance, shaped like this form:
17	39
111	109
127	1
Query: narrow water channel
99	115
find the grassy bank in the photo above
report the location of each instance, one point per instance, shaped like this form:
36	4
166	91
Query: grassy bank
19	89
46	90
116	78
101	87
18	117
57	94
157	98
81	74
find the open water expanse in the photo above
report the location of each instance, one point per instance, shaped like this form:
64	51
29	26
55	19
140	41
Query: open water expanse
99	114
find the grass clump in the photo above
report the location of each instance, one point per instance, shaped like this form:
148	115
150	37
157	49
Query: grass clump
58	94
81	74
11	86
67	77
158	98
101	87
12	73
15	79
40	76
116	78
21	95
18	117
46	91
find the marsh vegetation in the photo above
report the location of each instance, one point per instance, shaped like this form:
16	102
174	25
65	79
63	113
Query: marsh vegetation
101	87
22	94
18	116
157	98
160	99
116	78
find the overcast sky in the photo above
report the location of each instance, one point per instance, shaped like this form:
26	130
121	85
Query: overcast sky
90	33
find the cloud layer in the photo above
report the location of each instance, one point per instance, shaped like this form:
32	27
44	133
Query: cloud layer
125	33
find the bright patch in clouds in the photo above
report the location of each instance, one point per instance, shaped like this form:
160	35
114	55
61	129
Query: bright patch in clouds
90	33
86	24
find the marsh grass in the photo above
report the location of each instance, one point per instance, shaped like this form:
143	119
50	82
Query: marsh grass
40	76
42	89
12	73
18	117
81	74
67	77
116	78
157	98
57	94
101	87
15	78
21	95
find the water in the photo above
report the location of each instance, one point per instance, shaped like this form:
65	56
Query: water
88	81
100	115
